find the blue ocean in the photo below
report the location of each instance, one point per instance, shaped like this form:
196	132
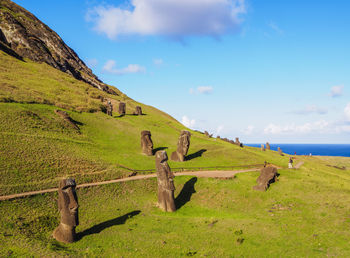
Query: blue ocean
314	149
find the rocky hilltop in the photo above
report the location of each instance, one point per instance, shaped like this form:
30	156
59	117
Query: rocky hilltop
22	35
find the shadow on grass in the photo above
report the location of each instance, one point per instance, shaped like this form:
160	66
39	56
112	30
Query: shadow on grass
186	193
158	149
195	155
107	224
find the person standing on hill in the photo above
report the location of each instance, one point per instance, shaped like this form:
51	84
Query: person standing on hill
290	163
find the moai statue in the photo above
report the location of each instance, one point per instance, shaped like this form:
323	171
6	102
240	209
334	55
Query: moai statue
262	147
268	146
109	108
280	151
183	145
121	109
146	143
138	111
206	133
267	176
165	181
237	141
68	207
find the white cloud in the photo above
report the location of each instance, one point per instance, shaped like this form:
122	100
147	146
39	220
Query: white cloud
158	61
202	90
249	130
336	91
312	109
131	68
219	129
91	63
173	18
318	127
190	123
274	26
347	112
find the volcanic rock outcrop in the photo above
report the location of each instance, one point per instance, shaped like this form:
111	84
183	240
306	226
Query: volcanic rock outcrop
22	35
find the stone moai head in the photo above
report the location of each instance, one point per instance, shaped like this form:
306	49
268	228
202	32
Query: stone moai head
165	180
237	141
68	208
146	143
268	146
138	111
262	147
184	142
122	107
267	176
280	151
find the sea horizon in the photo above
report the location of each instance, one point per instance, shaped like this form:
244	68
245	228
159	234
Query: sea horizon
315	149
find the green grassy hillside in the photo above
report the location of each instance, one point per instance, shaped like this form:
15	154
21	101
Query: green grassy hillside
306	213
39	147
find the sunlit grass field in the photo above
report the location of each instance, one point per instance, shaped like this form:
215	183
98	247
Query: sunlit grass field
304	214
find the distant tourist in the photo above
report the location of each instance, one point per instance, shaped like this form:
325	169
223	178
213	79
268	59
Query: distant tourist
290	163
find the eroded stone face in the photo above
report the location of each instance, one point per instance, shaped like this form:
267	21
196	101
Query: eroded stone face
138	111
109	108
122	108
165	183
146	143
268	146
262	147
280	151
267	176
183	145
68	208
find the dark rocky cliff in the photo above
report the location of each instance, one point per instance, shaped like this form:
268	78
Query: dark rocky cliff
22	35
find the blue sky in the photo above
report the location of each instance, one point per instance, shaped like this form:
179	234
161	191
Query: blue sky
276	71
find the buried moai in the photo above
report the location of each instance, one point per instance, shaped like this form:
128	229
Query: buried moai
280	151
68	208
109	108
122	107
262	147
146	143
268	146
267	176
165	181
138	111
237	141
183	145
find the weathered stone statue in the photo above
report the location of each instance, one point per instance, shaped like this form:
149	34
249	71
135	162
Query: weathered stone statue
122	107
138	111
165	181
237	141
109	108
262	147
183	145
268	146
206	133
68	207
267	176
146	143
280	151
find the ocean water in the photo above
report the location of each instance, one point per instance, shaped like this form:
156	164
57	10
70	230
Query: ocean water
314	149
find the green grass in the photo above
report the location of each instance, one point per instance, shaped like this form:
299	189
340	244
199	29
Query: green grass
304	214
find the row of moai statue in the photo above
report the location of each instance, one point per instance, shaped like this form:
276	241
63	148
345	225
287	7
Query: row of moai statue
179	155
122	109
269	148
236	141
68	200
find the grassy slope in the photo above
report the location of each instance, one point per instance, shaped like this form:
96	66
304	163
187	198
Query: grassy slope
38	147
306	213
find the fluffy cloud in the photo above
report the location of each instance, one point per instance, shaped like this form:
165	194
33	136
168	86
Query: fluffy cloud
311	110
249	130
190	123
173	18
336	91
219	129
202	90
319	126
347	112
109	67
158	61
